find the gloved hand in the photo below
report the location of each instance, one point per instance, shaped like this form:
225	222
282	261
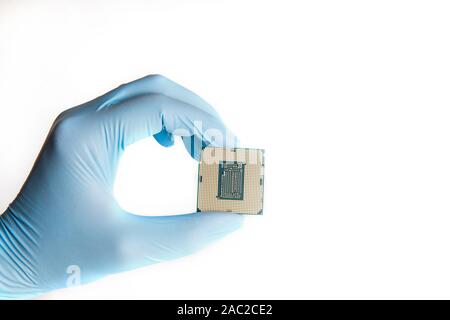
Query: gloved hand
66	219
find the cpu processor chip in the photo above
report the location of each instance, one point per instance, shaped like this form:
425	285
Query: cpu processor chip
231	180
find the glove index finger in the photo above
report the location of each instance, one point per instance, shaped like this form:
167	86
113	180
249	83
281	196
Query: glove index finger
156	84
147	115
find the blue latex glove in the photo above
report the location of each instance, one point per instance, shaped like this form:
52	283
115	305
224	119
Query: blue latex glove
66	220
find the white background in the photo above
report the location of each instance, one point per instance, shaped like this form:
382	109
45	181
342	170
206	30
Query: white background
350	99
